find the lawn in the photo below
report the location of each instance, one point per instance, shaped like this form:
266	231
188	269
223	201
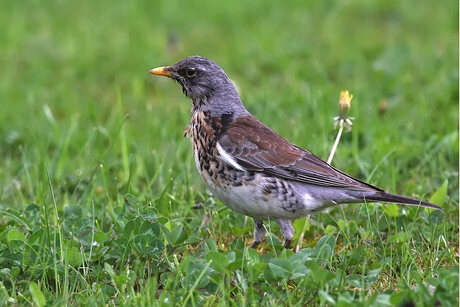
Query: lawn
100	201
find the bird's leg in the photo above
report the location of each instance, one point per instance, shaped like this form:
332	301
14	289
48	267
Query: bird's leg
287	230
259	232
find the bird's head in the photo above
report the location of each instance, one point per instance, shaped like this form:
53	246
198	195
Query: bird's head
203	81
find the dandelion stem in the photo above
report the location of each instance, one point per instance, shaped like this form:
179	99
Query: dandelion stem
336	143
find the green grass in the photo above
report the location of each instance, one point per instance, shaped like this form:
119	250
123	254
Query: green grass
99	197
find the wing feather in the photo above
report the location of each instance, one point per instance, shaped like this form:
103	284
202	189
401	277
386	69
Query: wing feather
256	147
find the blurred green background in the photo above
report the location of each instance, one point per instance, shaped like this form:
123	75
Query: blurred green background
82	123
74	71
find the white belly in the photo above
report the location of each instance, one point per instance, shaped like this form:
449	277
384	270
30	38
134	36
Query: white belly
249	200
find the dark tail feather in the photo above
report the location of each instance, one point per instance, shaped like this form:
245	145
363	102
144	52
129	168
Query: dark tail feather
398	199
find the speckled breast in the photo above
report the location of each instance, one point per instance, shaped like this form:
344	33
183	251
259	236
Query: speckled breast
204	131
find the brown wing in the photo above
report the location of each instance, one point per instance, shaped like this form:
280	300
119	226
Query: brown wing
258	148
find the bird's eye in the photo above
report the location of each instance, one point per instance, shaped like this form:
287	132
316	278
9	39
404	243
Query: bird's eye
190	72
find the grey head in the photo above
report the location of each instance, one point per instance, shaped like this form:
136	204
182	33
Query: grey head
207	84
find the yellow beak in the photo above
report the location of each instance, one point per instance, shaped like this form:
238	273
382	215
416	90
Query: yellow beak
161	71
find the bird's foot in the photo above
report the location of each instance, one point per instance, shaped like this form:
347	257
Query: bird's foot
287	244
255	244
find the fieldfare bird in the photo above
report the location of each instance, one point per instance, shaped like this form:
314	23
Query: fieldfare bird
250	167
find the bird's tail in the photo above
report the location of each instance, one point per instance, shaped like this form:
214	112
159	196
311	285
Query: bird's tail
398	199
